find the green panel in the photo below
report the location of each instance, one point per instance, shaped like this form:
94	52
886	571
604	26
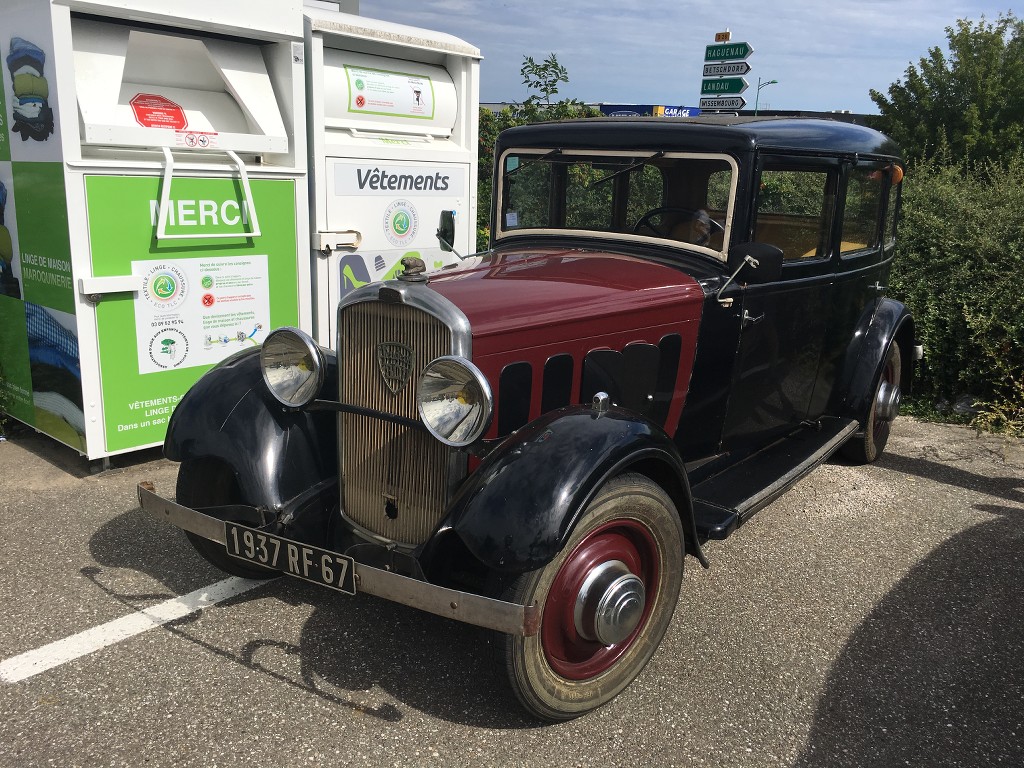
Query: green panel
43	235
15	373
149	353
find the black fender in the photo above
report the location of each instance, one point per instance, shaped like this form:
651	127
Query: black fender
277	455
889	321
517	510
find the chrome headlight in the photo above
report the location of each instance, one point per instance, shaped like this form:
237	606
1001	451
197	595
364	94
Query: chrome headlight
454	401
293	367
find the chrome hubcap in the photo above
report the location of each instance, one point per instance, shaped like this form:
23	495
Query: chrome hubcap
887	402
610	603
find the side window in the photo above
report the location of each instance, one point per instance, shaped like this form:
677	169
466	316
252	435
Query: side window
526	193
588	200
794	208
892	210
646	192
863	208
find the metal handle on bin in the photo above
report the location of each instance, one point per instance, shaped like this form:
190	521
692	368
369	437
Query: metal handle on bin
165	200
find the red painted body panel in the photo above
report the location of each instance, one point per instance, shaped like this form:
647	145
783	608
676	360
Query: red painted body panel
531	305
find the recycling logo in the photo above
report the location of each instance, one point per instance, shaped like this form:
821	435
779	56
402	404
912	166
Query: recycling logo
165	287
401	222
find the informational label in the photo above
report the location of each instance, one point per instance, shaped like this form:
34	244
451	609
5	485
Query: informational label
395	94
175	330
371	178
197	139
155	111
200	300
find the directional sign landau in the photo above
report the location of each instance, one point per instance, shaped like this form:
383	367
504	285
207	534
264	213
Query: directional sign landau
731	85
727	52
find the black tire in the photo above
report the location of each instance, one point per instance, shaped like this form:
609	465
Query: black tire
630	532
866	448
211	484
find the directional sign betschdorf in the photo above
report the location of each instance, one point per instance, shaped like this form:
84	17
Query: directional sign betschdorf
724	85
729	68
727	52
726	102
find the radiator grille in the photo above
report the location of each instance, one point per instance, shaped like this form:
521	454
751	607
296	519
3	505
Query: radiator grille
395	479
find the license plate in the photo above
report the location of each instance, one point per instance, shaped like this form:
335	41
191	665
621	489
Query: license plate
319	566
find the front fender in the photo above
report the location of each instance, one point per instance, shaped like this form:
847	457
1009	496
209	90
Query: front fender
890	321
516	511
229	415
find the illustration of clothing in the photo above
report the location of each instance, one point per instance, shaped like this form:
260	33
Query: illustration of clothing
32	115
8	282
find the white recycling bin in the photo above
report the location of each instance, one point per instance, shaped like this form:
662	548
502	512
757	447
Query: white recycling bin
393	121
154	196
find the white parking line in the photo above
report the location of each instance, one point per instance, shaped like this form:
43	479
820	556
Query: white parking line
59	652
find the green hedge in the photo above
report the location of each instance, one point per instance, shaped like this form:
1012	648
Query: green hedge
960	268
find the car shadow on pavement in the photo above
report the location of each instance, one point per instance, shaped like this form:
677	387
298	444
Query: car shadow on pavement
355	652
934	676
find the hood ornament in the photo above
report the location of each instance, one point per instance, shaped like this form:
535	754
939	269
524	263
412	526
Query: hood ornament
394	360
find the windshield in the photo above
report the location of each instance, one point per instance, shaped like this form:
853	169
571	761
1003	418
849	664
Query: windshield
682	199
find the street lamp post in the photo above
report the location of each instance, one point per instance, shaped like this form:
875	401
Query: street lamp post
760	85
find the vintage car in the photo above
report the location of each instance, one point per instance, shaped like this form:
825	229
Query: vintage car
676	320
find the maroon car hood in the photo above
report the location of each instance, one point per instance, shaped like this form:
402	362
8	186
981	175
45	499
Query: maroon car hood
566	294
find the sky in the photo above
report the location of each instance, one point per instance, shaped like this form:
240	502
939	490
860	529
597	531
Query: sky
824	55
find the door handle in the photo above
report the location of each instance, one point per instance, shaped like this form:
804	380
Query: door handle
749	319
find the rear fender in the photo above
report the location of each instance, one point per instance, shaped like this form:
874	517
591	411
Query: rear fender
277	456
518	509
890	322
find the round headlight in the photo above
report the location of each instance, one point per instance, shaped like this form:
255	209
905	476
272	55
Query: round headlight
454	401
293	367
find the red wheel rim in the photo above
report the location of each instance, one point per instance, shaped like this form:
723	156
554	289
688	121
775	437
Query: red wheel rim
570	655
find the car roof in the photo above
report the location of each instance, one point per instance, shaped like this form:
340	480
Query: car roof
723	133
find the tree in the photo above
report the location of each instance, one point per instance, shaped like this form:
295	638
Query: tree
543	78
967	105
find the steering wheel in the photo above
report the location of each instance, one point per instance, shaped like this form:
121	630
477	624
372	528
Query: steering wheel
684	214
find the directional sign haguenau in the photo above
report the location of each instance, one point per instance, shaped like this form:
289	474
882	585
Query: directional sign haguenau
727	52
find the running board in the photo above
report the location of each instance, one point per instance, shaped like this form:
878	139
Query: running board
725	501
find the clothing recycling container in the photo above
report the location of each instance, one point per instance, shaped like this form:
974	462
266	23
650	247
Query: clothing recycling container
153	199
393	120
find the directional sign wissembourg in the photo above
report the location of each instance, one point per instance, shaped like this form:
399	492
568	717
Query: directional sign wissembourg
730	85
731	68
727	102
727	52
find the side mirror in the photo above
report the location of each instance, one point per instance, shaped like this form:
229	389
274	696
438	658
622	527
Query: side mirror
763	266
446	230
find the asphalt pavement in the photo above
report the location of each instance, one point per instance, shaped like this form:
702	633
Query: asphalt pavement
869	617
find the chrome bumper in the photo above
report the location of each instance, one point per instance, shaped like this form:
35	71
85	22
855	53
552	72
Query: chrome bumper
510	618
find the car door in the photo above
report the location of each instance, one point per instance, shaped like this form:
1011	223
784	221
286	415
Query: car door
784	323
863	253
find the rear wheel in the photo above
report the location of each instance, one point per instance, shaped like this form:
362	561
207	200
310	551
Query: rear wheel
885	406
213	484
606	600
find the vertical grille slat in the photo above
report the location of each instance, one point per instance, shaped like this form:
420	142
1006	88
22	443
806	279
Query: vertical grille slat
384	462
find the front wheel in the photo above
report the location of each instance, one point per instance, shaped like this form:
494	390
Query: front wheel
211	484
885	406
607	601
